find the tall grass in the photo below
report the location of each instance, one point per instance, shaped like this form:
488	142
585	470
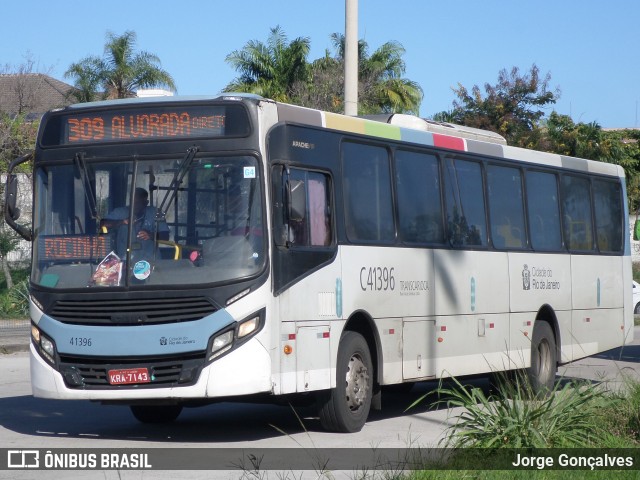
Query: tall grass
14	302
514	417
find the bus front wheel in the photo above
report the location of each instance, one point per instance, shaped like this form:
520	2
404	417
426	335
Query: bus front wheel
542	373
346	408
156	413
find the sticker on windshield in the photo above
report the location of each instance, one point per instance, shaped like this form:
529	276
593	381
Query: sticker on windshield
249	172
142	270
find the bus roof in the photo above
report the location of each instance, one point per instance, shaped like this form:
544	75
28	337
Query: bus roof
157	100
399	127
456	138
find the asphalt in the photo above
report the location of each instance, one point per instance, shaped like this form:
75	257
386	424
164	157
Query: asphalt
14	336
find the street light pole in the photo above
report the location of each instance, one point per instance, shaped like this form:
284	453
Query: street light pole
351	58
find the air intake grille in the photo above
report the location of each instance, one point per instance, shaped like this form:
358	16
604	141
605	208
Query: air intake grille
131	312
87	373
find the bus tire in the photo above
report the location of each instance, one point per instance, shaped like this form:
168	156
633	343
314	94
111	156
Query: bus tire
542	372
345	408
156	413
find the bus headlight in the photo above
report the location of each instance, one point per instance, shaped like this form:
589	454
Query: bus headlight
247	327
45	346
221	344
235	336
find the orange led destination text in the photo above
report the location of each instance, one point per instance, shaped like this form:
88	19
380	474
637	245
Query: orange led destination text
142	125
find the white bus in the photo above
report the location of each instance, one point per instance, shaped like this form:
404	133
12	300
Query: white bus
192	250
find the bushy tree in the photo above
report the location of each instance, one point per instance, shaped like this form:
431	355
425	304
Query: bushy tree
513	107
17	137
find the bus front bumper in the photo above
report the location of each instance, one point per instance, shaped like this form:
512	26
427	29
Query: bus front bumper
245	370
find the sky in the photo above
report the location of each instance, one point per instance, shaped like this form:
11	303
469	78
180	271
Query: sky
589	47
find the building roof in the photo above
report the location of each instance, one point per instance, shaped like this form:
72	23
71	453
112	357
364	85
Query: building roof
32	94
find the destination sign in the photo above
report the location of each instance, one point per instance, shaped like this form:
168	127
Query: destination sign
145	124
73	247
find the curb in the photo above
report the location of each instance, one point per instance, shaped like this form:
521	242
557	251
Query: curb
13	348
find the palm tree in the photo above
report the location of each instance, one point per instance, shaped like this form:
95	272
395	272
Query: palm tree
381	87
270	69
120	72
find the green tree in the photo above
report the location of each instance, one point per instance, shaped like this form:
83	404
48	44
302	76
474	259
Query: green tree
270	69
383	88
9	242
17	137
381	85
120	72
513	107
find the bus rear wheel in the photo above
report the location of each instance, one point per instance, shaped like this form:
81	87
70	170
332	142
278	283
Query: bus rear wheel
156	413
346	408
544	365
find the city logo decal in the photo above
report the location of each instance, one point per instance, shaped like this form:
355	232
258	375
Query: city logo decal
526	278
163	340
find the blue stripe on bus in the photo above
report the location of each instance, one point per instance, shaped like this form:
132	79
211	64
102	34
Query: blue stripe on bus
138	340
416	136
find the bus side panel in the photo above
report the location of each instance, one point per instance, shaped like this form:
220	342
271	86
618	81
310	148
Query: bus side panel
472	311
471	282
395	287
310	327
472	344
387	281
598	303
537	280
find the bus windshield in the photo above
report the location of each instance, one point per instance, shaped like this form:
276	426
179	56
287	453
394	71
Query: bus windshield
147	221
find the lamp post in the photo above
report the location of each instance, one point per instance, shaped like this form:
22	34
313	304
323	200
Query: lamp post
351	58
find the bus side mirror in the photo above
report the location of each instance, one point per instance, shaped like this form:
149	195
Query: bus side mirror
11	198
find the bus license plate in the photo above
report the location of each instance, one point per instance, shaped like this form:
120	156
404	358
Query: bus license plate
129	375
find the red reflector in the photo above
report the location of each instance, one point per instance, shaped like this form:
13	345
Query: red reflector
292	336
443	328
325	334
392	331
491	325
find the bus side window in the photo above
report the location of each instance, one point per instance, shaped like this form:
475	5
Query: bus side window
543	211
576	211
367	193
607	200
506	207
309	213
419	203
466	219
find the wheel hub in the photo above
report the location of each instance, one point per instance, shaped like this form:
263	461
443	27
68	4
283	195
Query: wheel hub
357	383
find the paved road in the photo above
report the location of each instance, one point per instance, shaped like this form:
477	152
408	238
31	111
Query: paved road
28	422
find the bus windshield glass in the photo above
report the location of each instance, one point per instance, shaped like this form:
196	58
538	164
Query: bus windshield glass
147	221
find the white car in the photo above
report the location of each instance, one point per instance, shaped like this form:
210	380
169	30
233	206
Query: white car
636	298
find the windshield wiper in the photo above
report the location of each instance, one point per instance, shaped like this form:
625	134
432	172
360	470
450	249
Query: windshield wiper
89	194
172	190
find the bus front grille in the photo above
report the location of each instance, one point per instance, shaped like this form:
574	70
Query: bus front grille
117	312
93	373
